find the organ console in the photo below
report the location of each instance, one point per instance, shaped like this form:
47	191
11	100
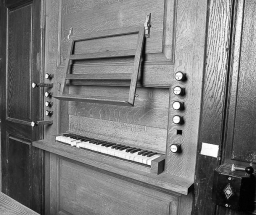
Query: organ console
101	108
105	152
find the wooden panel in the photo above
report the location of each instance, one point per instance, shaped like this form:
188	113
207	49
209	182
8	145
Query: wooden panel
19	63
19	171
104	15
214	97
141	136
149	106
143	125
152	76
239	144
189	59
22	164
244	148
86	191
145	115
125	168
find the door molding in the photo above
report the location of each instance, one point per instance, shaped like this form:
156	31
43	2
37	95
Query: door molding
213	105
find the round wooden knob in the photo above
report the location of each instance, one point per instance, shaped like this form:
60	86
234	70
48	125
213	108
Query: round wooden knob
249	170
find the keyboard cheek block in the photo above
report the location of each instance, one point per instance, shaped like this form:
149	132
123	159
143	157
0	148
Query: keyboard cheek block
157	165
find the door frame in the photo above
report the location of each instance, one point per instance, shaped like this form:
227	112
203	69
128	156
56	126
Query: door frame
36	156
214	102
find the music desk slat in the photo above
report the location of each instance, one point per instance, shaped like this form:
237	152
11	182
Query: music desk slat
10	206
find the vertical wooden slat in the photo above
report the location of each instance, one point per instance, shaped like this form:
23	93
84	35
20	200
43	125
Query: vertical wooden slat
137	63
214	98
3	179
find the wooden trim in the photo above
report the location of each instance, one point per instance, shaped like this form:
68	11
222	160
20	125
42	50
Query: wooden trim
103	76
125	169
99	55
137	66
108	33
234	77
104	100
214	100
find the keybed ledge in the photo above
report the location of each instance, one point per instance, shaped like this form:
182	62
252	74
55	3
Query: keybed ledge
129	170
98	99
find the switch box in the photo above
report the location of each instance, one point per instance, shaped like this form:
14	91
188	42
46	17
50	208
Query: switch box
233	189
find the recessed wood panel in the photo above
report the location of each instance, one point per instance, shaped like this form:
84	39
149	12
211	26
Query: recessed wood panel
146	137
80	18
86	191
243	99
19	170
19	63
21	45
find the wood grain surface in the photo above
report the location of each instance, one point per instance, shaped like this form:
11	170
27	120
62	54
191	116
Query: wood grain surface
176	43
126	170
19	68
123	14
10	206
214	98
189	59
22	164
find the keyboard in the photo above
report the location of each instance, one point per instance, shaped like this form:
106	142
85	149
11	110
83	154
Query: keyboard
117	150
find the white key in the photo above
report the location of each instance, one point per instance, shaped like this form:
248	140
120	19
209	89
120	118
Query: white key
152	158
64	139
119	153
138	158
83	144
128	155
123	154
145	159
109	150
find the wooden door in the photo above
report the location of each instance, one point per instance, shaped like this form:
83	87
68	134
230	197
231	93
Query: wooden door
229	105
22	165
240	147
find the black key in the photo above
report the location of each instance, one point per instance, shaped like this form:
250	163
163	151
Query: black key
122	148
70	135
137	150
110	144
134	150
94	142
73	136
143	151
151	154
76	138
125	147
128	150
113	147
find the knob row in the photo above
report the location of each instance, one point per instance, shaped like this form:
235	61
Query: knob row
48	95
179	106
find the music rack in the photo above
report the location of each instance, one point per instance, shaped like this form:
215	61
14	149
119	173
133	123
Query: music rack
105	55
